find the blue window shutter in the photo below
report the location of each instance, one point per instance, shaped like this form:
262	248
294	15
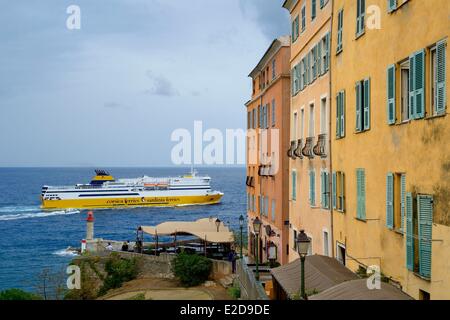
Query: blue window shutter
402	200
440	99
391	94
292	83
412	86
425	215
366	116
420	84
409	232
390	201
358	106
333	191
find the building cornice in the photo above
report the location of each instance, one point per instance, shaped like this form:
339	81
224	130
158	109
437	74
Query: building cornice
273	49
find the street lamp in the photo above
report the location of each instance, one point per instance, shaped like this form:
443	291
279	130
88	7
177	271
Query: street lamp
218	224
303	242
241	226
257	229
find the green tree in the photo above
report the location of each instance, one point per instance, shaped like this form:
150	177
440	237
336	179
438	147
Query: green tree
191	269
18	294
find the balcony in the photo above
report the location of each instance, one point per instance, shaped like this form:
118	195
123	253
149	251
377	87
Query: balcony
307	150
320	148
291	150
250	182
298	150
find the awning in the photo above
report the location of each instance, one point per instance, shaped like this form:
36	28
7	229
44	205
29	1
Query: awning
321	273
358	290
204	229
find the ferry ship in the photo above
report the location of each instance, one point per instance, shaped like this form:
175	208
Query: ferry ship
106	192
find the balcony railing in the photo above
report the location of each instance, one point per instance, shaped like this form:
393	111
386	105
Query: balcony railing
298	150
250	182
320	148
307	150
291	150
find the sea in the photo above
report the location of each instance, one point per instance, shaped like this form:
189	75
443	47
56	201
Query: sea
33	240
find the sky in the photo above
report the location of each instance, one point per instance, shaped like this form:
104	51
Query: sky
112	92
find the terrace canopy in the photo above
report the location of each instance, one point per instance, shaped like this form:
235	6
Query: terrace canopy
321	273
204	229
358	290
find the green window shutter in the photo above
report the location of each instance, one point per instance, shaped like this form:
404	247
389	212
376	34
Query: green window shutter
358	106
403	199
392	5
273	112
366	116
297	27
342	194
391	94
340	26
338	115
361	194
327	190
312	188
342	113
425	215
313	9
412	86
440	99
292	82
327	55
294	185
333	190
420	84
322	189
293	31
390	201
319	59
409	232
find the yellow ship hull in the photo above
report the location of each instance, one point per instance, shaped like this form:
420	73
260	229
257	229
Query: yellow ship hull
95	203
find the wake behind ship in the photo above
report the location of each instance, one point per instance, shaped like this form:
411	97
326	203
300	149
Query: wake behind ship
106	192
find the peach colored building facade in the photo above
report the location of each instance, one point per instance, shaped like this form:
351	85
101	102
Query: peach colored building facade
267	165
309	151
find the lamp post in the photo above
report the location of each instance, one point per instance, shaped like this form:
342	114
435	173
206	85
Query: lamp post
303	242
241	226
257	229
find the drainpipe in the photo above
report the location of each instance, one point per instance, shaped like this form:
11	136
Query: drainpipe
329	136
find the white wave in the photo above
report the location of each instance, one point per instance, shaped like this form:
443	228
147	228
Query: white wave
40	214
10	209
66	253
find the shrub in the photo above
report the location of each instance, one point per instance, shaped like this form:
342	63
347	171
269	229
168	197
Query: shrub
17	294
234	291
118	271
191	269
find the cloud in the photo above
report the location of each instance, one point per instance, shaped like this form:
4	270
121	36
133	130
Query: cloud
269	15
161	86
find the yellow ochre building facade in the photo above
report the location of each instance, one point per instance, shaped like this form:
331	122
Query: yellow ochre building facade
309	151
390	141
267	167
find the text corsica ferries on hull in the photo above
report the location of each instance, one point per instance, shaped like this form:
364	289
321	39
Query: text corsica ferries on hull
106	192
